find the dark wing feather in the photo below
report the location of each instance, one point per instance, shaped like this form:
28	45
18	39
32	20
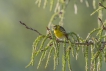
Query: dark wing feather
62	29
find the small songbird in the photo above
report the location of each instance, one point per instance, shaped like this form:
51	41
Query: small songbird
60	32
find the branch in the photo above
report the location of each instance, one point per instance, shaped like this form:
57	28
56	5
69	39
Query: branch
76	43
30	28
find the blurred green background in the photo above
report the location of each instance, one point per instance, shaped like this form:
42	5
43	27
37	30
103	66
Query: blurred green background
16	41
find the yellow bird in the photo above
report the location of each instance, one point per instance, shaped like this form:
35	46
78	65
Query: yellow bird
60	32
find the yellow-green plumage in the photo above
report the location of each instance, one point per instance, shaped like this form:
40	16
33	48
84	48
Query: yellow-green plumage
59	32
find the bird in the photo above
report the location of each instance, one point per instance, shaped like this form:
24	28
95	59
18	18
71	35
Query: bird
60	32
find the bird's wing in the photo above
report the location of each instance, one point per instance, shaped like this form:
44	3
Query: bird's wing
62	29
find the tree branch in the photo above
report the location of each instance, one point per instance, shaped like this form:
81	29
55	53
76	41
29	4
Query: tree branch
76	43
30	28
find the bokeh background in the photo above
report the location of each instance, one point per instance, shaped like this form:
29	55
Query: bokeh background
16	41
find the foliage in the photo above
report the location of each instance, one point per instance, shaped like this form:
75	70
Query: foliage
48	44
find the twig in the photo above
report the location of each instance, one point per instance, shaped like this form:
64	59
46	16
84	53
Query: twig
101	49
30	28
104	28
102	5
86	43
49	32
